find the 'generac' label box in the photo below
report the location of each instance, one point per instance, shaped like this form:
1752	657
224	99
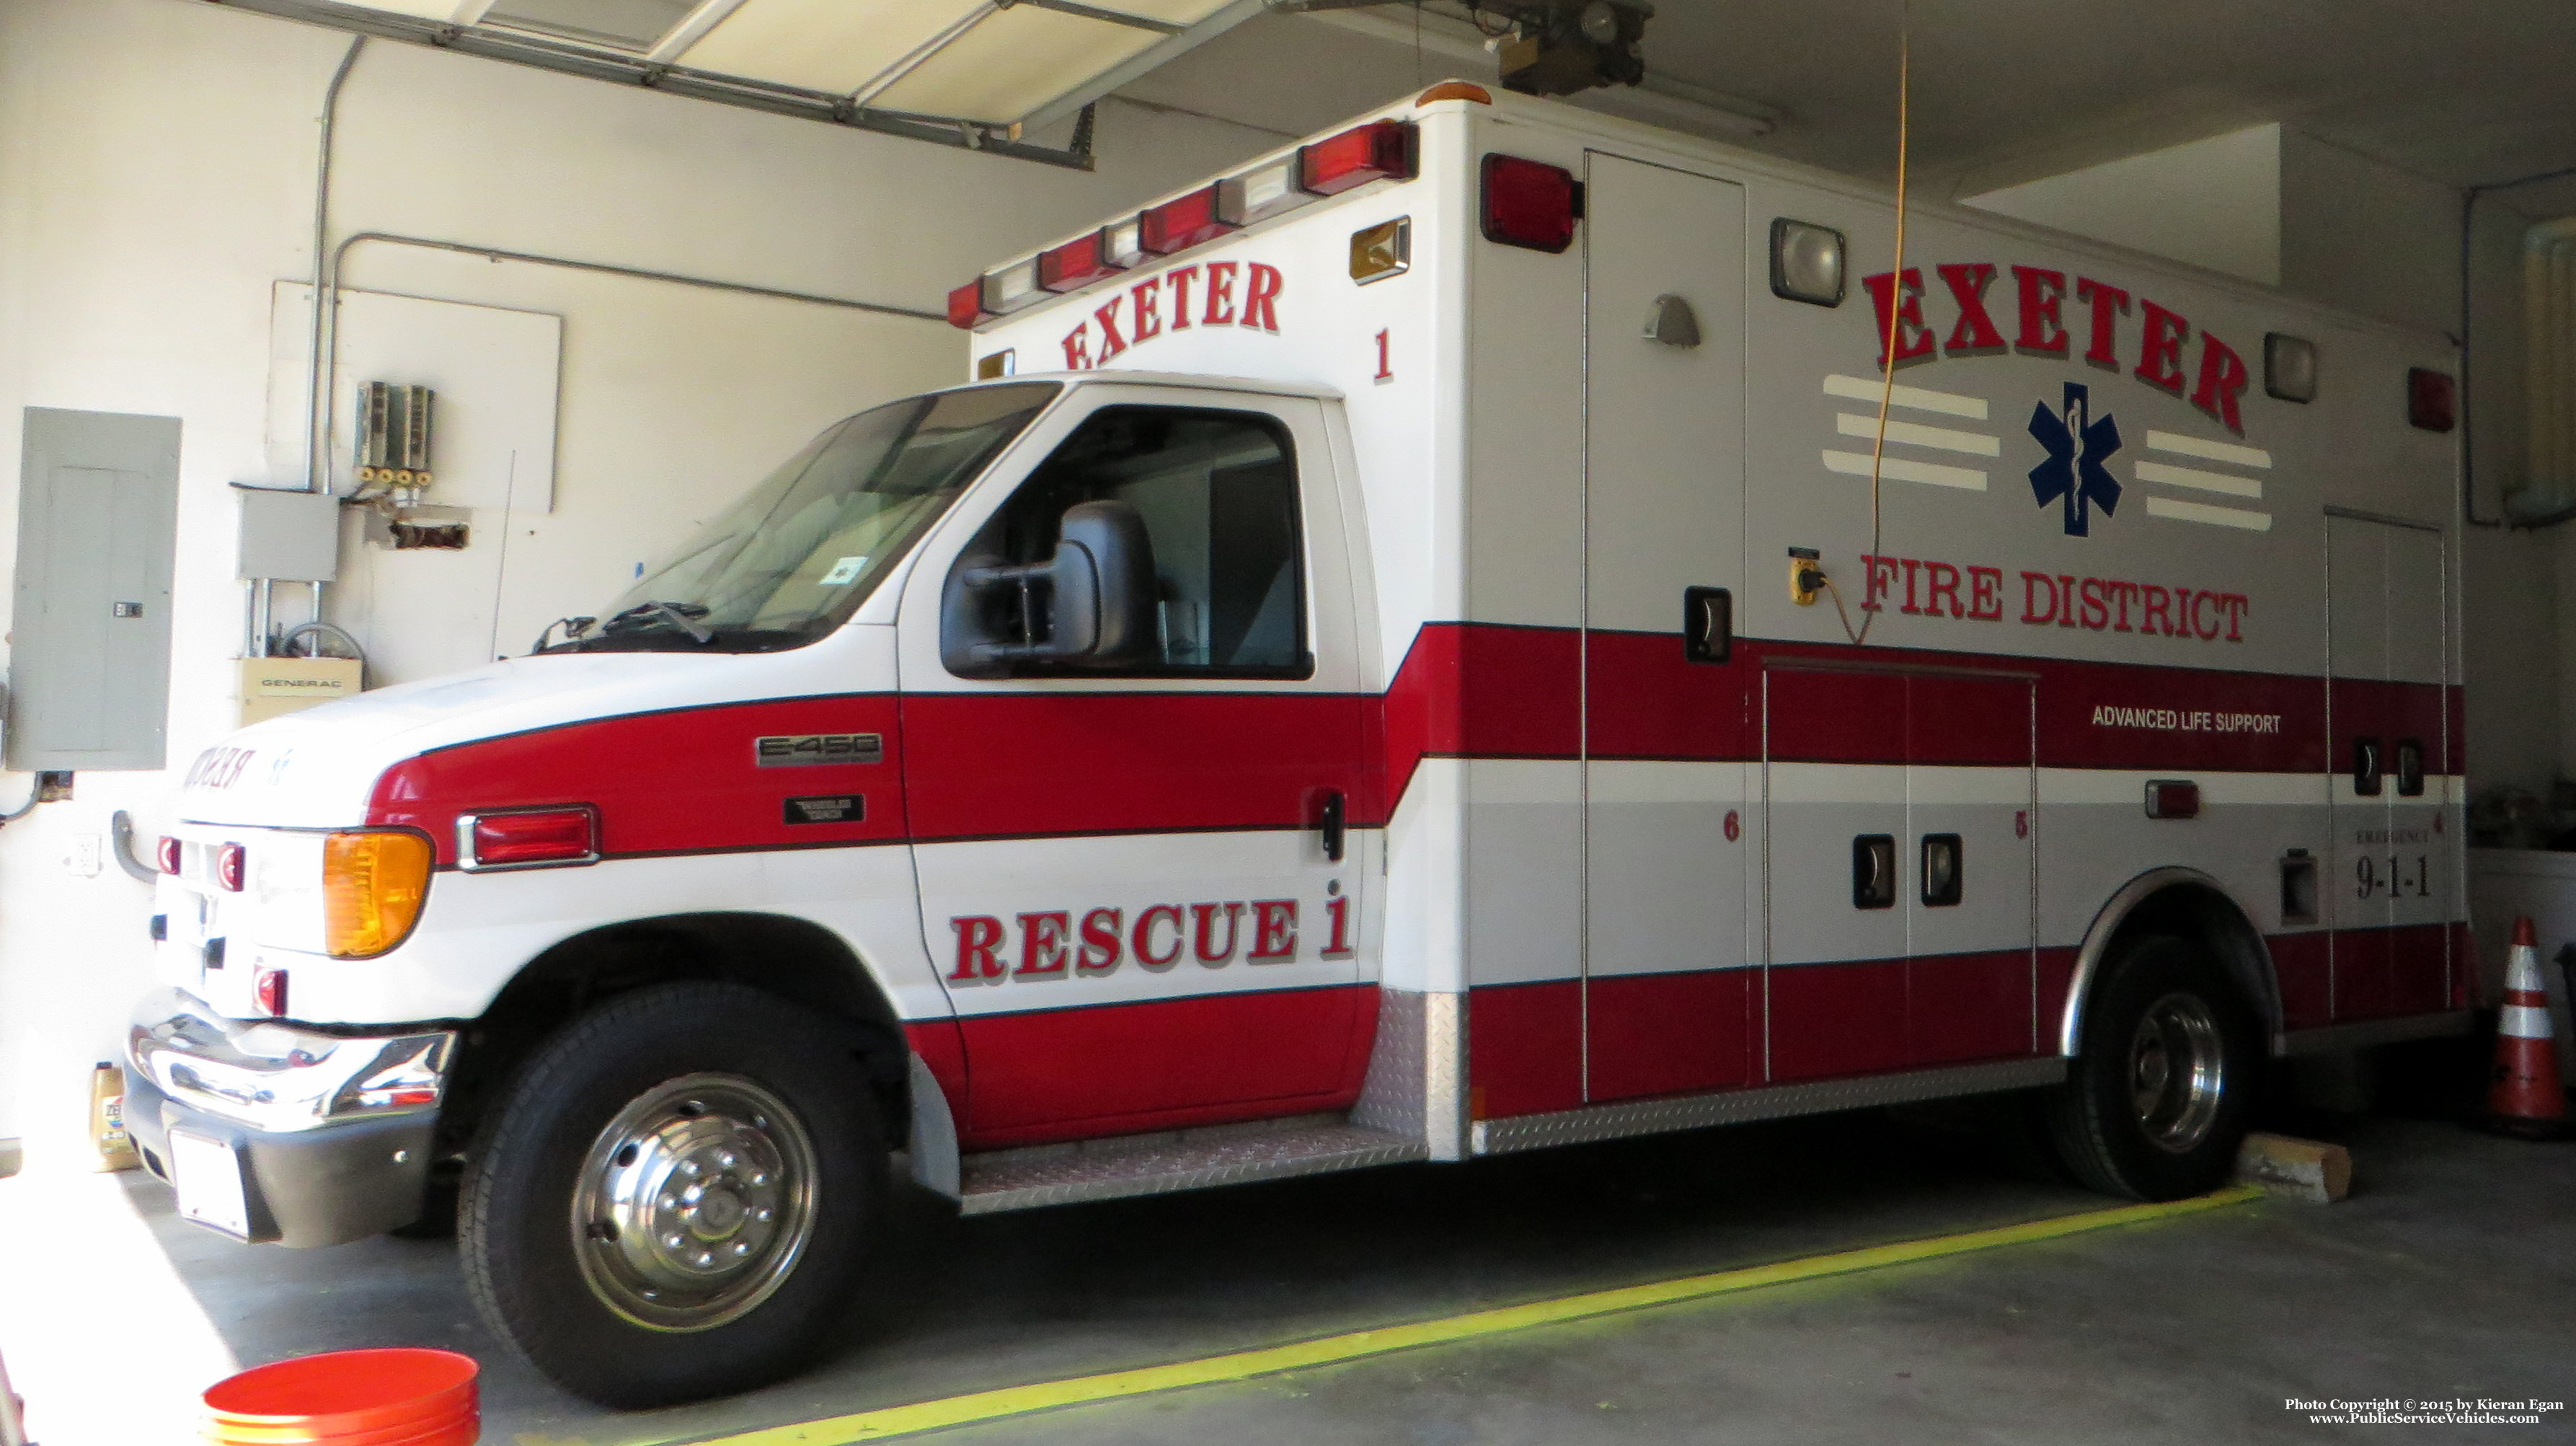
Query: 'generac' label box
270	686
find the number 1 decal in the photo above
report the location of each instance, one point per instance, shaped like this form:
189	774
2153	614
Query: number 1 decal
1385	373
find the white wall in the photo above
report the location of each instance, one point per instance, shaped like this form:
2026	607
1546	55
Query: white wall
156	173
2214	202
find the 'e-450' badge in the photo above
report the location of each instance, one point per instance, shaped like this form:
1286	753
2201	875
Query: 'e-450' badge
791	750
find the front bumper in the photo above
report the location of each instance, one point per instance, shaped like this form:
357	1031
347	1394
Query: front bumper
333	1132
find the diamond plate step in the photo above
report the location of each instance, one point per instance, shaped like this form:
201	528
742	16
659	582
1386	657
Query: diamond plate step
1156	1164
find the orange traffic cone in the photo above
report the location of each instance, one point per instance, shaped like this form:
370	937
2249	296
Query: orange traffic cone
2526	1098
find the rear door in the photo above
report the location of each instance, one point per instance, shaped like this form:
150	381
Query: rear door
1668	1001
2389	892
1123	873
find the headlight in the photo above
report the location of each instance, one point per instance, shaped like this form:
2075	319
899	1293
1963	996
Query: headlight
373	884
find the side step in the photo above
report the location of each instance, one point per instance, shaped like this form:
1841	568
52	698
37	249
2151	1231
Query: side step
1035	1175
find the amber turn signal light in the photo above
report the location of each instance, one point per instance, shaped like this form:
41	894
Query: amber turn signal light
373	885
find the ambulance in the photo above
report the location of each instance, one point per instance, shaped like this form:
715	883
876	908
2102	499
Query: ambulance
1492	628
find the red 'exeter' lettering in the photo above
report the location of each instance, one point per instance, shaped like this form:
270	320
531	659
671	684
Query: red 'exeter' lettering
1220	293
1260	297
1975	333
1179	279
2109	304
1913	338
2043	331
1147	309
2222	381
1111	343
2160	349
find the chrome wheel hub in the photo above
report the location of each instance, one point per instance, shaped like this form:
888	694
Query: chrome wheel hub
2177	1072
695	1203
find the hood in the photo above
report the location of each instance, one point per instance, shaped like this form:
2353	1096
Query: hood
316	768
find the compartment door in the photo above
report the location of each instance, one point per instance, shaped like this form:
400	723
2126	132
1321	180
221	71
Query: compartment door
1668	1001
2362	879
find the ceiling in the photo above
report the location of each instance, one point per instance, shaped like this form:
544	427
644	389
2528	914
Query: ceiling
2004	91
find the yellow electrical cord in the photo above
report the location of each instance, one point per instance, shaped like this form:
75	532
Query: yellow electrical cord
1895	300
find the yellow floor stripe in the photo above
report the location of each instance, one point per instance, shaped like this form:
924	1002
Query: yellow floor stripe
879	1424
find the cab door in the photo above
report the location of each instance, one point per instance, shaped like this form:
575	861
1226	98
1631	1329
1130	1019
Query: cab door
1141	884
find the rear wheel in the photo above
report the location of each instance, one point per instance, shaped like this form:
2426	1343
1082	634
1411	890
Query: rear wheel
673	1201
2154	1104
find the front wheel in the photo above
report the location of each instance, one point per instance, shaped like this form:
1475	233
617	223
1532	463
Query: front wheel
673	1201
2154	1103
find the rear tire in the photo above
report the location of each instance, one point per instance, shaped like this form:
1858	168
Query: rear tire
673	1201
2155	1102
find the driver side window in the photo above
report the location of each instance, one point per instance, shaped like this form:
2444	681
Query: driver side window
1217	493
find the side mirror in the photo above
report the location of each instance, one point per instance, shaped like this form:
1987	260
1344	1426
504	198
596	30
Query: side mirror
1097	608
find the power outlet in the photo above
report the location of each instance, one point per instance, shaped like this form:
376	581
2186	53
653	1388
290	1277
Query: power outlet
1806	576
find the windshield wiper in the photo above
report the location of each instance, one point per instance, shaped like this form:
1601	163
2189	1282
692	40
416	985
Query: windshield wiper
683	616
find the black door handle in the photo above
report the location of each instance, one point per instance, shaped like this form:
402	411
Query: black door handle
1332	825
1708	624
2365	767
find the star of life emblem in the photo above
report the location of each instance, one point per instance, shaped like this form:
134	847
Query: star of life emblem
2077	445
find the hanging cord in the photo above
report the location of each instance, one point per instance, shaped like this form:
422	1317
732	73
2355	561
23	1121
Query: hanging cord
1887	343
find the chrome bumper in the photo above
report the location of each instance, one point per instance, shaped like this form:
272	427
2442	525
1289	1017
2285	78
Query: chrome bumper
334	1132
278	1079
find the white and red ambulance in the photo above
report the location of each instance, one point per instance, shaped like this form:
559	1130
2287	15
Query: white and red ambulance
1457	638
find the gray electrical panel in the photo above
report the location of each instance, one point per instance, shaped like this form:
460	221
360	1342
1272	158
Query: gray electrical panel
288	536
89	657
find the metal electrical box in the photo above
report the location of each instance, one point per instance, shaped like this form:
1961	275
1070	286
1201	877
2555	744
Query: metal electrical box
89	659
288	536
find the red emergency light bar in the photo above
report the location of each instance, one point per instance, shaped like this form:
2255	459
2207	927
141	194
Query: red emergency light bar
1379	151
1384	150
1179	225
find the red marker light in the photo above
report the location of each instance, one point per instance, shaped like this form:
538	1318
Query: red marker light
530	837
168	855
1530	203
1179	225
966	305
1378	151
268	991
2432	399
230	864
2173	798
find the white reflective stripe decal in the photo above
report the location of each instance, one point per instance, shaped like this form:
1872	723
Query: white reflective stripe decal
2179	511
2184	445
2523	1021
1915	434
1856	464
2194	477
1862	389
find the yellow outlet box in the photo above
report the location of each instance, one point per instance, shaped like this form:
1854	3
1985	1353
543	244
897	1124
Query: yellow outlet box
271	686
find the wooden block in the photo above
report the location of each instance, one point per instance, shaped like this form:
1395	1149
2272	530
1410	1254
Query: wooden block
2303	1169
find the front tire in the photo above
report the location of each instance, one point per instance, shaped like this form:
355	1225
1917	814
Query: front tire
2154	1105
673	1201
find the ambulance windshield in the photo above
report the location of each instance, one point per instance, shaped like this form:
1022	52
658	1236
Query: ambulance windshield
794	558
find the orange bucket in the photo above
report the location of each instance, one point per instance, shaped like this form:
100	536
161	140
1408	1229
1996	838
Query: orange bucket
399	1397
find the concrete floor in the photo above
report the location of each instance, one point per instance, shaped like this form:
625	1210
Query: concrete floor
2451	1271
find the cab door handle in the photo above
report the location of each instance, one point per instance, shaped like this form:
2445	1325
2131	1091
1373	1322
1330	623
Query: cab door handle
1332	825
